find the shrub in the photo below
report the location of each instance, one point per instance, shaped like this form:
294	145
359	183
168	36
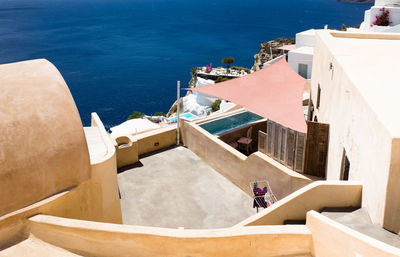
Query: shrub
382	19
135	115
215	106
241	68
159	114
221	79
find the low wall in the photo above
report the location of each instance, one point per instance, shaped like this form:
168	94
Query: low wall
238	168
156	139
336	240
95	199
127	150
147	142
315	196
99	239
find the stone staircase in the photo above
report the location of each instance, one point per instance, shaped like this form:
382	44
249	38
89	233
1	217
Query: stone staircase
359	220
35	247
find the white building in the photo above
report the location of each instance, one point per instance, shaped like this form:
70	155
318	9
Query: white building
393	6
300	59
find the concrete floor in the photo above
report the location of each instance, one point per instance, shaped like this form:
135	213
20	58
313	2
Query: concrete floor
175	188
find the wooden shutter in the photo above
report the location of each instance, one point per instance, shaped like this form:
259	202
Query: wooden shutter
300	152
316	149
269	137
283	145
262	141
290	147
276	141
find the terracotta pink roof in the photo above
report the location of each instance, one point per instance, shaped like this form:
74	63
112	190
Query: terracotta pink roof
275	92
287	47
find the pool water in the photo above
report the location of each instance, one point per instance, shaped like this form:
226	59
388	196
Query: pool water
218	127
187	115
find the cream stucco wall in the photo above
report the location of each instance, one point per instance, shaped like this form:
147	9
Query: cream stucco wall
95	199
44	159
238	168
356	123
336	240
43	148
99	239
314	196
143	143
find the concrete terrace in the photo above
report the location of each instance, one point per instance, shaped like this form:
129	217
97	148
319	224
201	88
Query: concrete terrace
175	188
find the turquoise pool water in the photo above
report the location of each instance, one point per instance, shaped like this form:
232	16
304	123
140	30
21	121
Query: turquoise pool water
218	127
187	115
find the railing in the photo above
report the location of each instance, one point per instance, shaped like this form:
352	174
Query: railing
284	145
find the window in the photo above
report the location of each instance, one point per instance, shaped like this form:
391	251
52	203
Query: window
345	169
318	96
303	70
310	111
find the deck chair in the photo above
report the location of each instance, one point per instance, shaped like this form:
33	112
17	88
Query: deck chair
262	194
244	143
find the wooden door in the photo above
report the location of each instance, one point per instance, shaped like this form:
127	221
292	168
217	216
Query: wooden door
300	152
276	141
262	142
270	126
282	157
290	147
316	149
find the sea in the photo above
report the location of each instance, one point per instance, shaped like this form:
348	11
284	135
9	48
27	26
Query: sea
121	56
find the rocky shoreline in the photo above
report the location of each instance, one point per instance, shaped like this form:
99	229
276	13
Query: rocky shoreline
268	51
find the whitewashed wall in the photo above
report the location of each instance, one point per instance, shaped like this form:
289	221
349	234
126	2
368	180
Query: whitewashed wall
354	127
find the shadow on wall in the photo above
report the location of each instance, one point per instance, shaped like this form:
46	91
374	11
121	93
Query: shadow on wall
238	168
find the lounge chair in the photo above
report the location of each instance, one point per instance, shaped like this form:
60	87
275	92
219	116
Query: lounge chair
262	194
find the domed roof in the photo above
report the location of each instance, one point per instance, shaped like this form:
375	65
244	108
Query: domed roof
43	149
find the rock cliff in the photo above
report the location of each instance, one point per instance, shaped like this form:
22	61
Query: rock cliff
266	48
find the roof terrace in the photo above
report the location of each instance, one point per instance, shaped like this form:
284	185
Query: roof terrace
174	188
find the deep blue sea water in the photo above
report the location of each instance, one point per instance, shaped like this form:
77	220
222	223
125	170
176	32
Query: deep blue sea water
118	56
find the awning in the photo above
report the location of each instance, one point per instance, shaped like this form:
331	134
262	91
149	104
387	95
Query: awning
287	47
275	92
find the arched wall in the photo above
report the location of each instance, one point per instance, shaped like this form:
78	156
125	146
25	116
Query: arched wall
43	149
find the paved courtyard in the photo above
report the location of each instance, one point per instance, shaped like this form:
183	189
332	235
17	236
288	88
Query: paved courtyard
175	188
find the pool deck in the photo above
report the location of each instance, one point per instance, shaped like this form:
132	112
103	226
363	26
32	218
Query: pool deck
175	188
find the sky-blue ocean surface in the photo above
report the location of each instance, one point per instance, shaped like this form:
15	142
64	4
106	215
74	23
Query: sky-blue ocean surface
118	56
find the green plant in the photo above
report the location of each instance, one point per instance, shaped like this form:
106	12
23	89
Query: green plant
221	79
241	68
228	61
135	115
216	105
382	19
159	114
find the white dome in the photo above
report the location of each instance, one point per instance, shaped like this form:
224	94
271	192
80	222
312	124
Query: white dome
386	2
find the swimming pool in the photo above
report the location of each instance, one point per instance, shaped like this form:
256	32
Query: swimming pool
217	127
187	115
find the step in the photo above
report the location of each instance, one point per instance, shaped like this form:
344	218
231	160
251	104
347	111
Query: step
33	246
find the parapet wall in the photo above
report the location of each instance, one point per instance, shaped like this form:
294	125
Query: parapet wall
100	239
129	147
336	240
314	196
